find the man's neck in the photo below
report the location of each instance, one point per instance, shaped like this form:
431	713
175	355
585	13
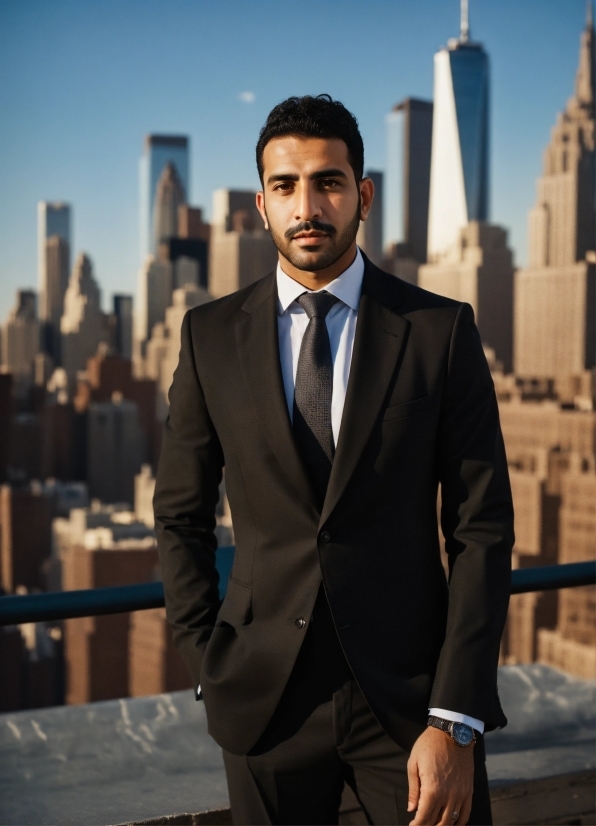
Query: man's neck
318	279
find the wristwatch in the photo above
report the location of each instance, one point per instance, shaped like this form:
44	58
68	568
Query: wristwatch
461	733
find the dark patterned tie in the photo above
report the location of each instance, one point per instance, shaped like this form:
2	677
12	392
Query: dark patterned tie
313	390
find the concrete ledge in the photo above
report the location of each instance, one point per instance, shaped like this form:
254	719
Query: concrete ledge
566	799
213	817
136	760
552	801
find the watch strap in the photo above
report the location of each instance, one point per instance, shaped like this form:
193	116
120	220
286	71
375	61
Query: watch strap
439	722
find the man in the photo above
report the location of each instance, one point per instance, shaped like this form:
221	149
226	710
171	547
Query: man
338	398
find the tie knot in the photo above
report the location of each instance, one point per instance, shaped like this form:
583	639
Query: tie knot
317	305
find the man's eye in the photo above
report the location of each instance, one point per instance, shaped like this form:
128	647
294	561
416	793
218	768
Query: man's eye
284	186
328	183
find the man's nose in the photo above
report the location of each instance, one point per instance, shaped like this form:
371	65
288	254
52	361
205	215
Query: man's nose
308	205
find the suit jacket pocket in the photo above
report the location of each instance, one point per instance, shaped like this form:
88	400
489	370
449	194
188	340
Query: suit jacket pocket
236	609
400	411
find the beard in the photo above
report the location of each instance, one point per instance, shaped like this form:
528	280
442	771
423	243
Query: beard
311	260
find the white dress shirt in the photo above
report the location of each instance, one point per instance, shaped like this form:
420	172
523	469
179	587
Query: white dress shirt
292	322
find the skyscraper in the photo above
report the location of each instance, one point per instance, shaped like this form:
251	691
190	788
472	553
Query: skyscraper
123	309
555	305
159	151
53	221
154	295
370	233
409	138
83	324
240	251
478	268
163	348
459	186
116	449
21	338
57	269
169	196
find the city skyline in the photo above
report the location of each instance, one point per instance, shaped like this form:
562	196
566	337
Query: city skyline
222	144
84	392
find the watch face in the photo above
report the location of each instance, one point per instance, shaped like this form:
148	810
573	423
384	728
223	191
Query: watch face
462	734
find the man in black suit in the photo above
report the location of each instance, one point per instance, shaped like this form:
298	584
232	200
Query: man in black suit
338	398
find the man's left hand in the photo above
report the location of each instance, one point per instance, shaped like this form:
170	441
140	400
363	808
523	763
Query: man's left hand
441	780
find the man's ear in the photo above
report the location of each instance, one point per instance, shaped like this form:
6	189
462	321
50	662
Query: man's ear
367	194
261	207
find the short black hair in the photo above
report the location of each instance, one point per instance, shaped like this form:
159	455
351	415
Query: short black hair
313	117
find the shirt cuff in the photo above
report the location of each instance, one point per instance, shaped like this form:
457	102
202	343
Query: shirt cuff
456	717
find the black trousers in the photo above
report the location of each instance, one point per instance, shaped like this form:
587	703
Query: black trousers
322	736
300	780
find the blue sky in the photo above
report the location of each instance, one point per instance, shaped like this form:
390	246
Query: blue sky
82	81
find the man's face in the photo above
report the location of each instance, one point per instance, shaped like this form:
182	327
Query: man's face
310	202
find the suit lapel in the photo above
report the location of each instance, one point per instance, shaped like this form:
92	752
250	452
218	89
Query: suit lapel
258	349
379	341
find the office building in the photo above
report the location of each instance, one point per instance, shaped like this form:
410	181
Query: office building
571	646
83	324
6	410
154	296
531	426
238	258
63	440
116	449
144	490
12	654
555	297
94	525
191	224
158	152
57	270
25	536
229	202
155	666
478	269
551	450
536	501
96	649
107	374
21	341
409	140
189	260
163	349
53	221
170	195
240	250
123	315
370	233
459	176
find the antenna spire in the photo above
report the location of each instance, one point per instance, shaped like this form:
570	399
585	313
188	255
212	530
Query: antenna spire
464	27
589	15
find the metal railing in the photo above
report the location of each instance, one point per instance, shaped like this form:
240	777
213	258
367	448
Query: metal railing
97	601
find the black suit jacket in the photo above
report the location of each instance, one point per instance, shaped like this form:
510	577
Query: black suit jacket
420	411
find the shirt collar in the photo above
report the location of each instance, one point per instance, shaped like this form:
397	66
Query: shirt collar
347	286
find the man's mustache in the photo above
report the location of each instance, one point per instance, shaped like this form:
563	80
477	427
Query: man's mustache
307	226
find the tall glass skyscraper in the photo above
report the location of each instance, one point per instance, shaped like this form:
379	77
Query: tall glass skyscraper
53	218
409	135
53	251
159	151
459	186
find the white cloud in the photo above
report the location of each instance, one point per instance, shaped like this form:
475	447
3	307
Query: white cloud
247	97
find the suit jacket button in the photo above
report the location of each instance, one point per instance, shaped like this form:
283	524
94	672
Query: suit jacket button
325	536
300	622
